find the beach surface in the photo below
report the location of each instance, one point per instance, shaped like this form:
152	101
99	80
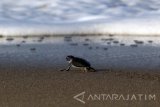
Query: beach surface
50	88
30	73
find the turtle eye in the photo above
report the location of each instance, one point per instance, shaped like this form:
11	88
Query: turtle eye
67	58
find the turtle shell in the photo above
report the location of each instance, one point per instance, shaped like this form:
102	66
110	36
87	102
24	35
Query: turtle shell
79	62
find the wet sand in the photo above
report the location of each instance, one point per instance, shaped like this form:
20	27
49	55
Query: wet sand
103	52
30	73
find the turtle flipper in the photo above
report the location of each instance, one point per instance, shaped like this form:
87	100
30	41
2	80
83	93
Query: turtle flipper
91	69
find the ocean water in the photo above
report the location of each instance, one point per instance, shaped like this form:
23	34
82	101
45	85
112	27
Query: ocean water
58	17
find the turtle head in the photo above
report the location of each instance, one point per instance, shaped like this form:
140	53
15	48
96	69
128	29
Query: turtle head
69	57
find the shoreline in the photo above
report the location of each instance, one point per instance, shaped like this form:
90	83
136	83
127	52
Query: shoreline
102	52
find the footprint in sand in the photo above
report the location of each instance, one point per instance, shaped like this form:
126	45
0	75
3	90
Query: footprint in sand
18	45
46	35
25	37
32	49
85	44
111	35
23	41
110	39
68	38
1	36
105	48
87	39
104	39
108	43
122	44
138	42
97	47
150	41
115	42
40	40
107	39
9	39
74	44
90	48
134	45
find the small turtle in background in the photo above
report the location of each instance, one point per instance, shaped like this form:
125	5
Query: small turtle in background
78	63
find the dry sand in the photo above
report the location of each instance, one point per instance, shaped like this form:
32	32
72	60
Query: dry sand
51	88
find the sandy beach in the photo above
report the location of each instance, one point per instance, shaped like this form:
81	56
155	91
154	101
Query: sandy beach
50	88
30	73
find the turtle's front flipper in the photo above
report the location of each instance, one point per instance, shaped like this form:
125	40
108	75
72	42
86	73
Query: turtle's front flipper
91	69
67	69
